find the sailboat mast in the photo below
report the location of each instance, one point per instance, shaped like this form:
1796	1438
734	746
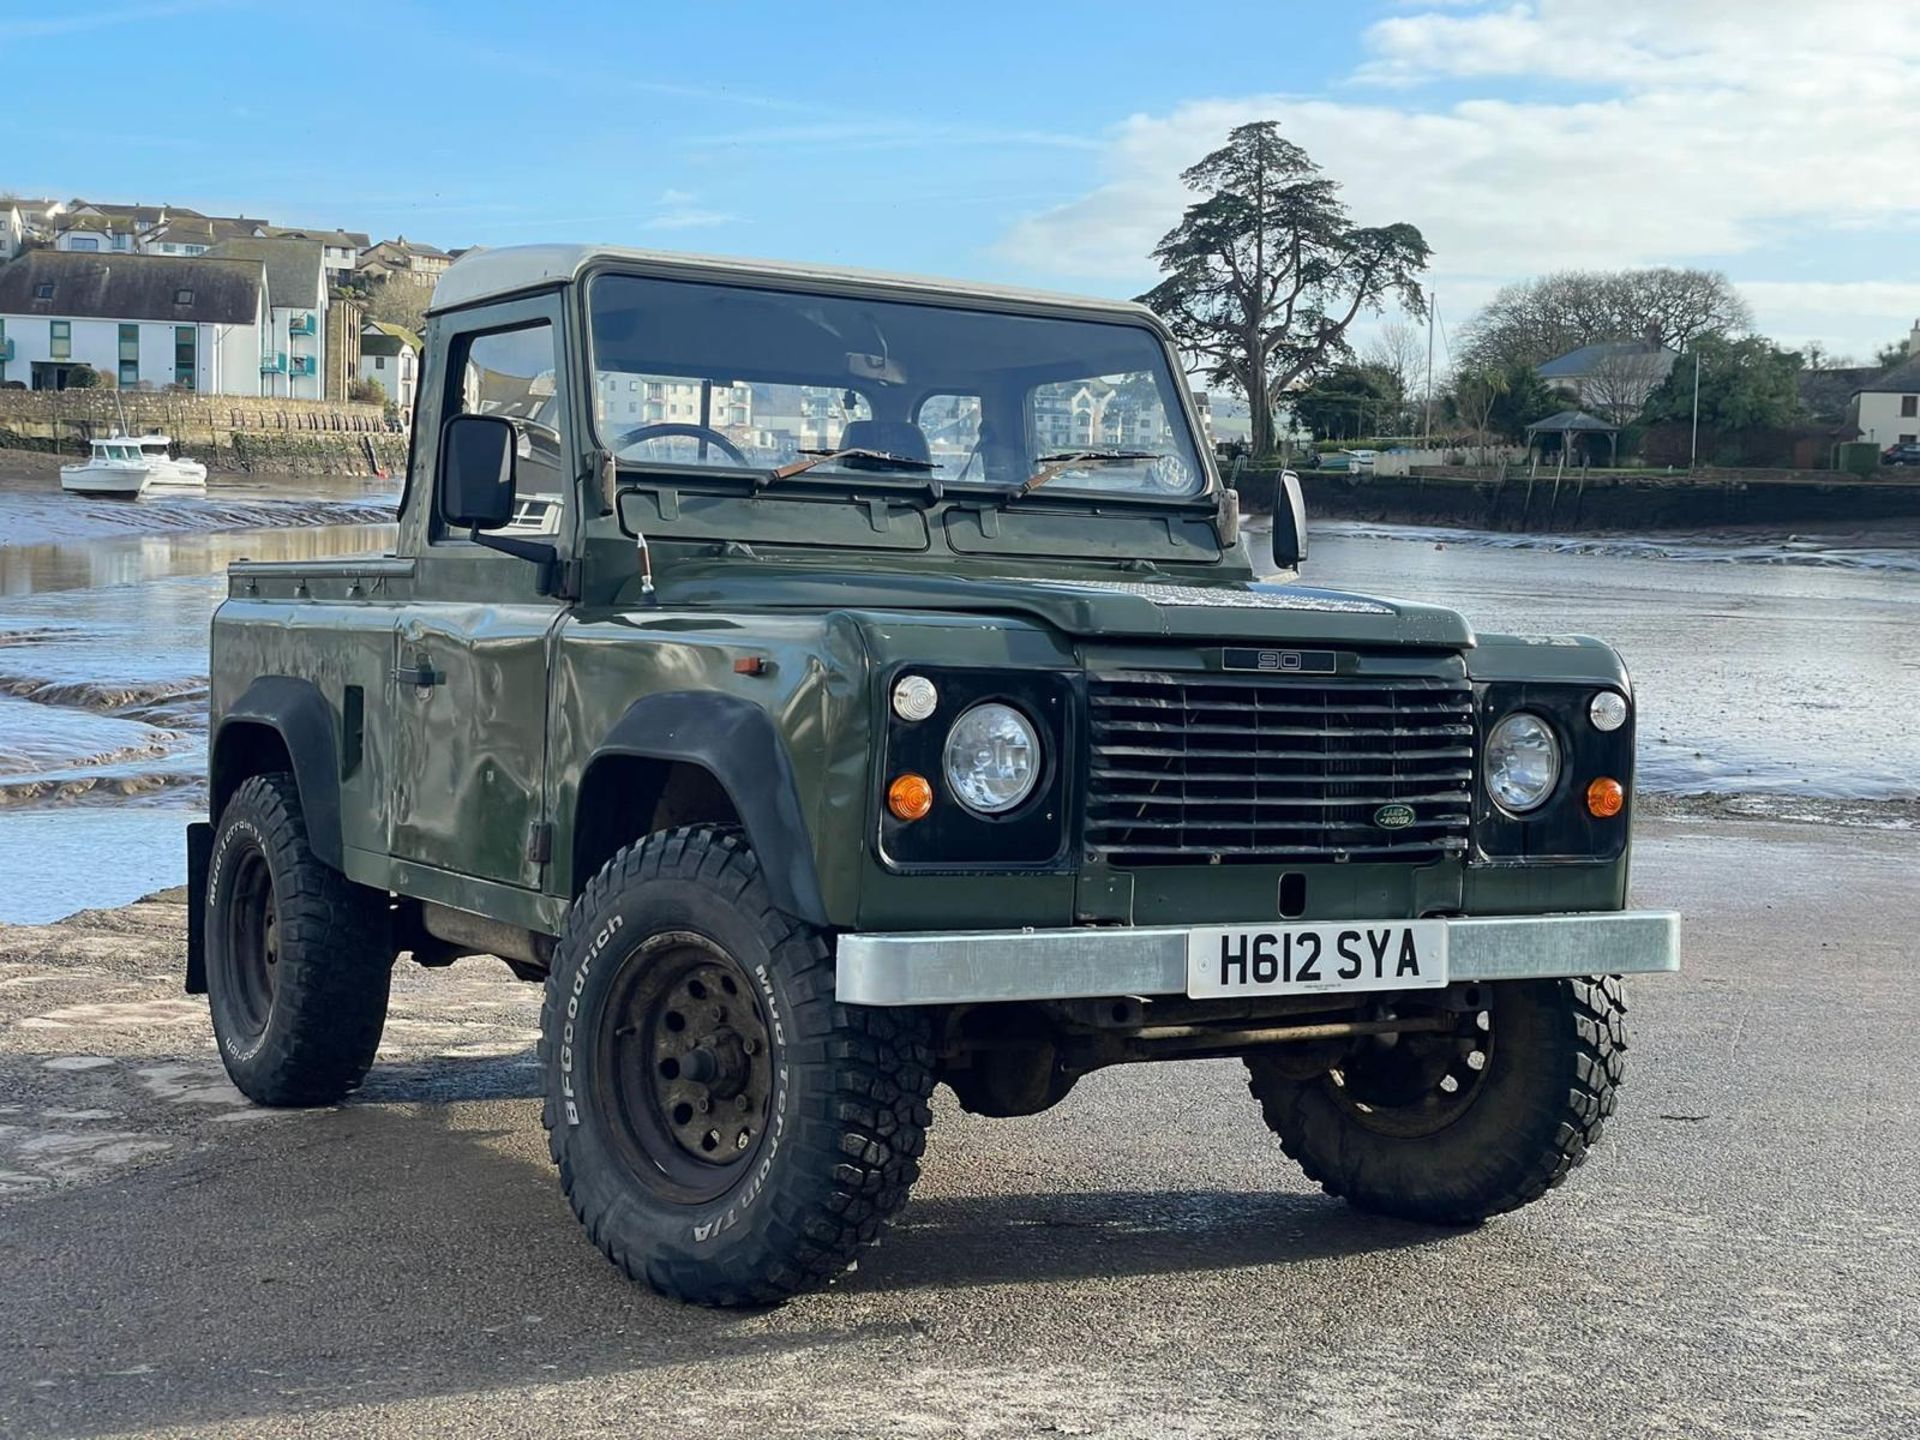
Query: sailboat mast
1432	302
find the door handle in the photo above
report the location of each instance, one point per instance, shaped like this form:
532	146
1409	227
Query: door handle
420	674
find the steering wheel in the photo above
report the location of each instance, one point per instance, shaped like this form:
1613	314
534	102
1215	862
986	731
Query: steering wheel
691	432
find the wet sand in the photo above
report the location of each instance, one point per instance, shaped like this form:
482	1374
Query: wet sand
1737	1259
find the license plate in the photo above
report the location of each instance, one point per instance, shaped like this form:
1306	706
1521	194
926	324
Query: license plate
1316	959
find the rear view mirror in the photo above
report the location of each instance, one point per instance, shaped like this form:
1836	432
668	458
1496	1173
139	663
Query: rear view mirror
477	478
1289	522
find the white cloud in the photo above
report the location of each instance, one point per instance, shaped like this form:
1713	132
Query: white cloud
1689	129
687	218
681	210
1856	317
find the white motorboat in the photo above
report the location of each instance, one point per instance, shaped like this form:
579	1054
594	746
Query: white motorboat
170	473
128	466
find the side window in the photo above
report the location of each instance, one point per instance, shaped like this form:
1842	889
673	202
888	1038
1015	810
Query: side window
514	373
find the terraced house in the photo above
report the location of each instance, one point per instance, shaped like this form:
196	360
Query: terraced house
137	321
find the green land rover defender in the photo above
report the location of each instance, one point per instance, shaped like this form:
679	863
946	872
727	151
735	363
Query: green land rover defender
828	685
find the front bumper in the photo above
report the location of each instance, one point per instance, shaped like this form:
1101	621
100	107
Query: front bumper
980	966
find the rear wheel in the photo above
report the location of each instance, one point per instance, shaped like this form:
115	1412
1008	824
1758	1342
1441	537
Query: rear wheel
725	1130
1456	1126
298	956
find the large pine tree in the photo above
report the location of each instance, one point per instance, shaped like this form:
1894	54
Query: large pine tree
1266	272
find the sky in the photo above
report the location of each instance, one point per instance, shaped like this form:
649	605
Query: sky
1037	144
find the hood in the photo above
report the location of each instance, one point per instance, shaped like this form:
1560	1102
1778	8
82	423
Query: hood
1116	607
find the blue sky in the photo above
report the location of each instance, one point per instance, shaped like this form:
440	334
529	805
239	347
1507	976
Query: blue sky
1035	143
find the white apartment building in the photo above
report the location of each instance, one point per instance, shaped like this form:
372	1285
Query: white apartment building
293	352
140	322
630	401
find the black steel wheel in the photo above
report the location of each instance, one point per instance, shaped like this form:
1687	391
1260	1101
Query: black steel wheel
1418	1083
1453	1127
298	956
725	1130
252	935
686	1058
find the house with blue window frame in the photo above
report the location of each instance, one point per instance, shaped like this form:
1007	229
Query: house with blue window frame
293	356
141	322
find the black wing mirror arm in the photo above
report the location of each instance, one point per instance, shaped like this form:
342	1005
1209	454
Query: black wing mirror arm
546	557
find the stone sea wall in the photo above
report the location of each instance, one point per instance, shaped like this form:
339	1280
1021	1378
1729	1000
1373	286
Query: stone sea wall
1711	500
226	432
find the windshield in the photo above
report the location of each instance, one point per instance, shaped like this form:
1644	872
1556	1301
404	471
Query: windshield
731	377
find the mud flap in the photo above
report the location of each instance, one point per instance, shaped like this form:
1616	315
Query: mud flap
199	851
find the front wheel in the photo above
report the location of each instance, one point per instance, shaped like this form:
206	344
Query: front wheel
1453	1127
725	1130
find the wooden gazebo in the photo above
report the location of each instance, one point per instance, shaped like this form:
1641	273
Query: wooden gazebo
1569	423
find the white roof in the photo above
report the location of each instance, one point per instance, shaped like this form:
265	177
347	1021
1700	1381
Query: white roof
483	274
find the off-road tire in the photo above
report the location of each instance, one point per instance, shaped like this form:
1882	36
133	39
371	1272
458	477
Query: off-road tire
849	1108
326	1002
1558	1057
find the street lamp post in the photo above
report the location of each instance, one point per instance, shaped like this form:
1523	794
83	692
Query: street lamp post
1693	450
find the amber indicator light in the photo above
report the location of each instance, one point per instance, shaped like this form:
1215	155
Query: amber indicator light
1605	798
910	797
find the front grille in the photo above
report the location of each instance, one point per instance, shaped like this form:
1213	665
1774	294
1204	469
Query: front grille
1223	770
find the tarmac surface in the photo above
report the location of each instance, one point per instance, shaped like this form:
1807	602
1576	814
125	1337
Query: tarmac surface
1741	1257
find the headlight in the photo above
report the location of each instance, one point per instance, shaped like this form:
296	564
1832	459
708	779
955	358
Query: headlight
992	758
1522	762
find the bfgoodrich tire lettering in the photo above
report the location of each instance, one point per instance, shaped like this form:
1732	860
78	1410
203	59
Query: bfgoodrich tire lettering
1556	1057
298	957
752	1164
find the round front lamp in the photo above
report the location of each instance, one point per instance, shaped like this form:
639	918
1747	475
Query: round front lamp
992	759
1522	763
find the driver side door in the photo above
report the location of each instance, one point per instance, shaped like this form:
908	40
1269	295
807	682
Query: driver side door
472	654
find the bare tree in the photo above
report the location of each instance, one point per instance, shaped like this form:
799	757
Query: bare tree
1817	356
1398	351
398	300
1673	307
1623	378
1532	321
1475	394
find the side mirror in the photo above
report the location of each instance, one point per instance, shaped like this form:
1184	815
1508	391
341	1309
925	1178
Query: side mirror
1289	522
477	477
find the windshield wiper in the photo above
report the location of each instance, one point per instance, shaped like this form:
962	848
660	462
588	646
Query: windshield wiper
1052	465
876	459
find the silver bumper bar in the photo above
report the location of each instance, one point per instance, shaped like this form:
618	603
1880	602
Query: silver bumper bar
988	965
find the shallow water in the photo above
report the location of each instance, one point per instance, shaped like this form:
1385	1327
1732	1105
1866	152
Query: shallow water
1757	676
104	608
1753	674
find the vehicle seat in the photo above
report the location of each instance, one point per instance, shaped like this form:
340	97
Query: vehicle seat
891	437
